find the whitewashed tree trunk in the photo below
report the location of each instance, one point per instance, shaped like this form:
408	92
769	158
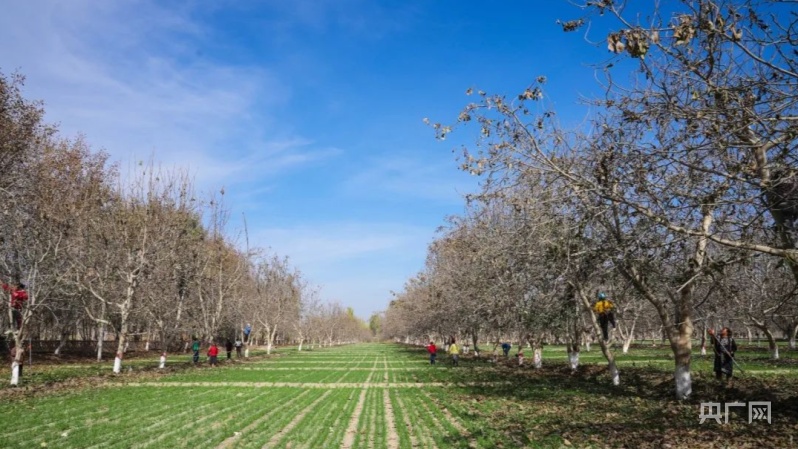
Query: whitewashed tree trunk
120	350
772	344
118	363
163	361
61	343
627	343
684	381
682	348
614	374
573	359
271	332
537	358
15	373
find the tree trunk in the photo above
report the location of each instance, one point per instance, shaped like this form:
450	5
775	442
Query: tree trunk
19	352
793	333
538	357
121	345
271	332
16	368
704	339
61	343
101	331
684	382
678	333
573	356
628	342
605	347
100	340
772	345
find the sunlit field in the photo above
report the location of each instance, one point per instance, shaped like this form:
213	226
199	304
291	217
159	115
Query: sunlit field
387	395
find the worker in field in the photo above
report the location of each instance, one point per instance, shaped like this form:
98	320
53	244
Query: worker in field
605	310
433	352
454	351
228	346
18	296
239	344
195	346
213	354
725	347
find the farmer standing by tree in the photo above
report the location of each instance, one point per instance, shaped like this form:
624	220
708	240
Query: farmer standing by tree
433	352
228	346
18	298
454	351
196	348
213	353
725	347
604	308
506	349
238	345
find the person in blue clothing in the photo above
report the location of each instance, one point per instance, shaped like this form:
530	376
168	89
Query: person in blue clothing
506	348
247	331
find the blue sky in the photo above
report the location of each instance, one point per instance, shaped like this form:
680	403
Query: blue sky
308	112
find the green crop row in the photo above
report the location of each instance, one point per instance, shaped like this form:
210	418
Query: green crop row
372	425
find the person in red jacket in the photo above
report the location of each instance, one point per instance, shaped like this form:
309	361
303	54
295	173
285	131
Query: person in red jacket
213	352
18	298
433	352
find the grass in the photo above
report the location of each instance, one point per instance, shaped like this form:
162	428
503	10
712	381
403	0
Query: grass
478	404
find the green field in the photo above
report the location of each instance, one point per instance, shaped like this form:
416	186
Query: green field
388	396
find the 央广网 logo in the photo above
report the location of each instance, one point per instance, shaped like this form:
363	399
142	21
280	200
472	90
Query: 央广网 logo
757	411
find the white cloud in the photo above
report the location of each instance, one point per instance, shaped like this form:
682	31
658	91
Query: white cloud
330	243
130	75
